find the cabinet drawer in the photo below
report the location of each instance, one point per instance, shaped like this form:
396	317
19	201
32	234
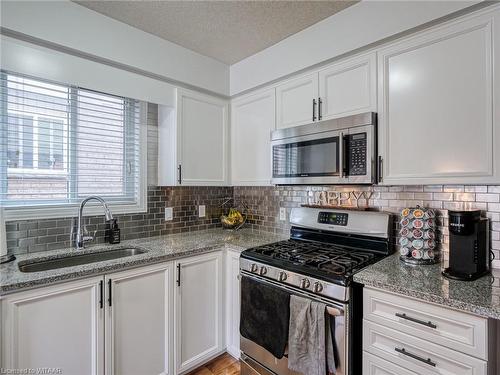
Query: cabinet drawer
420	356
373	365
458	331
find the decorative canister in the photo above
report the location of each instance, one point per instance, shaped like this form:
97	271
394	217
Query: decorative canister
417	236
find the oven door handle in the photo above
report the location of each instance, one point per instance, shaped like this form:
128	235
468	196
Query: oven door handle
331	308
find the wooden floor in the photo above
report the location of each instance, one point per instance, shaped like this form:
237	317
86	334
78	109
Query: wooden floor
222	365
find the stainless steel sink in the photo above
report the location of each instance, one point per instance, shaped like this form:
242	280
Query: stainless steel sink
76	260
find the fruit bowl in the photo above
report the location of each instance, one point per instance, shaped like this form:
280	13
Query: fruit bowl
233	220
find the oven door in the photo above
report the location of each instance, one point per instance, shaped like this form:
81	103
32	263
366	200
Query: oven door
257	360
309	159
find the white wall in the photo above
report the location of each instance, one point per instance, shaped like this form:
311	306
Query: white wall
37	61
355	27
73	26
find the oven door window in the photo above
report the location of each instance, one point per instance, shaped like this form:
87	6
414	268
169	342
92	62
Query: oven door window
308	158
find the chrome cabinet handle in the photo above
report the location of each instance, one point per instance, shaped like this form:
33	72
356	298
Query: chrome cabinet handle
415	320
427	361
320	115
314	109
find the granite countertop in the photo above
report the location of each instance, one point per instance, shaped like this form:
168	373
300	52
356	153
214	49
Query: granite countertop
480	297
158	249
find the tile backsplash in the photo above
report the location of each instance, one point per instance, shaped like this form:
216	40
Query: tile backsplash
264	204
48	234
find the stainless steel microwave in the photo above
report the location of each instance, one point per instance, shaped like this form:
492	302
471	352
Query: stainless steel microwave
337	151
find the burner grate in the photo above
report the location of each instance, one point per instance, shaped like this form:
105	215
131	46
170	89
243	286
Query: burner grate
332	259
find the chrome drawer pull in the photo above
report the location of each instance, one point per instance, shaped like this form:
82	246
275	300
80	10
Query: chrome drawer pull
414	320
427	361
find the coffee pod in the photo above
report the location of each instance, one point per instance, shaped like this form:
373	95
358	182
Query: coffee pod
405	213
417	244
405	222
418	213
405	232
429	244
418	223
417	254
428	254
429	235
429	224
404	251
404	241
417	233
429	214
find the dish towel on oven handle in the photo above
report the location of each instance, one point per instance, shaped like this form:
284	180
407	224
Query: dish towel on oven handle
311	346
265	315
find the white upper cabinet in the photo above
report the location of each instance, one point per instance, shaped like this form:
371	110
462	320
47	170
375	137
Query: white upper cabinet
437	116
252	120
348	87
59	326
203	139
297	101
193	144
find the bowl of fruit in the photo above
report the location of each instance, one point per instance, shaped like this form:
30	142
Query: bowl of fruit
233	220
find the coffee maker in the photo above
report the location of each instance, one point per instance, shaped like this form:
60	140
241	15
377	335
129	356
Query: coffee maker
469	245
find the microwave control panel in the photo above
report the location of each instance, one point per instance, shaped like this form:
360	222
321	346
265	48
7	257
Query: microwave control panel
356	154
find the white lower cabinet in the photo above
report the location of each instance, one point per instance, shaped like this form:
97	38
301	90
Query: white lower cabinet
405	336
233	303
60	326
199	310
138	315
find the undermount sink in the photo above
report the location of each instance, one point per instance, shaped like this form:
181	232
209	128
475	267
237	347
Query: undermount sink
76	260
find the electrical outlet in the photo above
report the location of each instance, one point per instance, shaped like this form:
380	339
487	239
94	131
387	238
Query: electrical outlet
282	213
169	213
201	210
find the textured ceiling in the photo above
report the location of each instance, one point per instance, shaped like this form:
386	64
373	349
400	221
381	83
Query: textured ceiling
228	31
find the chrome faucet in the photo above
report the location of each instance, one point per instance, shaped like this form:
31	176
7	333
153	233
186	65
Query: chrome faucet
81	238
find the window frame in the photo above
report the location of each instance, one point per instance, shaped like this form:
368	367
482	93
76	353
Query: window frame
33	210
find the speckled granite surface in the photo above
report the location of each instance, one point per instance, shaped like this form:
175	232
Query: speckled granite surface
158	249
480	297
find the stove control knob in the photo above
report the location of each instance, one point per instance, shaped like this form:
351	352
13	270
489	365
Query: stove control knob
282	276
254	268
263	270
318	287
304	283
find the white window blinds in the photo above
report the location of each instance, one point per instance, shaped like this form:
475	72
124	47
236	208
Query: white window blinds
60	143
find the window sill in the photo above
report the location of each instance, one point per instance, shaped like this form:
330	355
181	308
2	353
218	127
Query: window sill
70	210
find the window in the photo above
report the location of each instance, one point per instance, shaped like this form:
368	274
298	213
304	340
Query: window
61	143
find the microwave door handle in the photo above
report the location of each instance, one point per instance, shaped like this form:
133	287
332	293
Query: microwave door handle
341	155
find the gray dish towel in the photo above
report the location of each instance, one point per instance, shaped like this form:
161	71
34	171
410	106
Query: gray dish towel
309	351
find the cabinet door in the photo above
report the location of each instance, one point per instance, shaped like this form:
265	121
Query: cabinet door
198	302
348	87
294	101
57	327
436	110
233	303
252	120
138	318
203	132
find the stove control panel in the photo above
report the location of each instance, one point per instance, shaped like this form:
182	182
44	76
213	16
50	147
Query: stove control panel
333	218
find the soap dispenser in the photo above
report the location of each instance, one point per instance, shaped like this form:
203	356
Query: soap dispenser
113	236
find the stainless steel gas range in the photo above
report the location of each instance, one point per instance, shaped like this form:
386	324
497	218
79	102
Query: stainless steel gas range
326	247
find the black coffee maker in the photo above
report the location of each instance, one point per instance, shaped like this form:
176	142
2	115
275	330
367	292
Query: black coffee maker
469	245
